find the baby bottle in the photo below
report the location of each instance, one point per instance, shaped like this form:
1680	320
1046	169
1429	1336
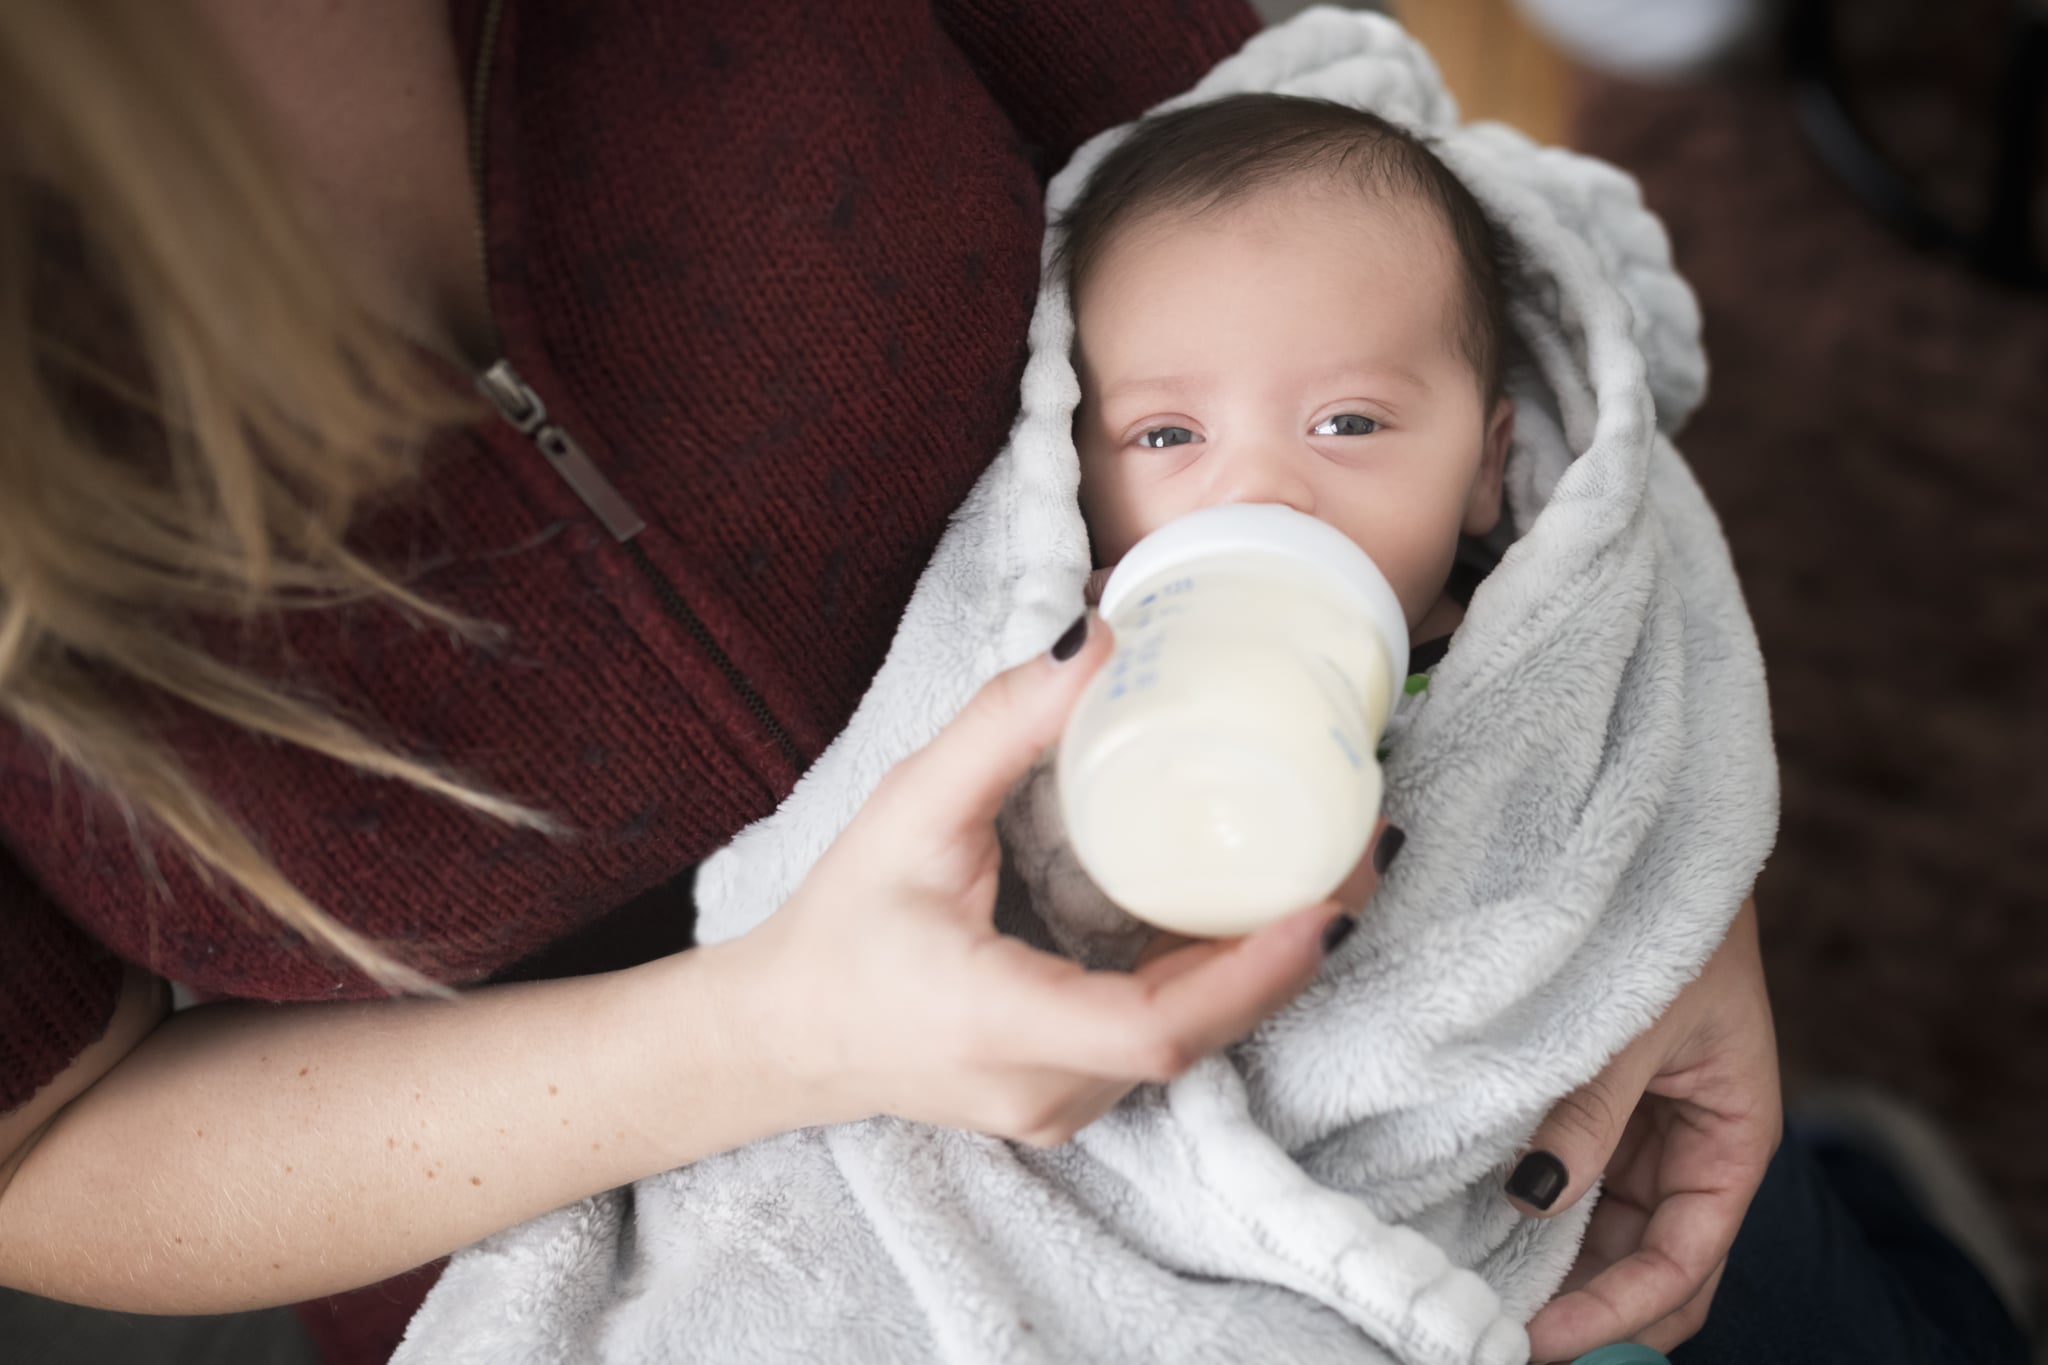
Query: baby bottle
1222	769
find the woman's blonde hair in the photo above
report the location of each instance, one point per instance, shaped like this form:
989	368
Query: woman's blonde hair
157	275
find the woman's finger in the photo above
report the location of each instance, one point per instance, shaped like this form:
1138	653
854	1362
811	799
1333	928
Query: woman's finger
1364	881
1666	1334
1675	1198
1175	953
1186	999
1087	1106
1153	1023
970	767
1685	1324
1690	1161
1164	943
1680	1251
1572	1145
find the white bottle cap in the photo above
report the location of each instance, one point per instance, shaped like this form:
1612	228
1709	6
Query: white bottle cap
1269	528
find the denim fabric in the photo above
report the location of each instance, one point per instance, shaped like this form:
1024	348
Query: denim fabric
1835	1264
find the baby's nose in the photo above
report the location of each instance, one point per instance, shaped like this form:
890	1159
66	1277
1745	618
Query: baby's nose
1274	476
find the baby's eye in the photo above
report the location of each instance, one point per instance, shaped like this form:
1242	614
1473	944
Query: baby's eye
1346	424
1160	438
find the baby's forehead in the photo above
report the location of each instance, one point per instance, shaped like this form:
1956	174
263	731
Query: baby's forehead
1397	236
1390	220
1359	280
1374	201
1423	243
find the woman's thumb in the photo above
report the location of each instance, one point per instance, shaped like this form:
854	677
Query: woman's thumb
1577	1138
1005	726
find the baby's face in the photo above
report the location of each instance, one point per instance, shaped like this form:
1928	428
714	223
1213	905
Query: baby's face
1299	348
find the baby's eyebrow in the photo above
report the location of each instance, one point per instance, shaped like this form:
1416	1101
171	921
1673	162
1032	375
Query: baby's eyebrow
1359	376
1368	375
1166	383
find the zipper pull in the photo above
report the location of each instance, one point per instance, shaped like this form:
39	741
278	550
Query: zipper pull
519	405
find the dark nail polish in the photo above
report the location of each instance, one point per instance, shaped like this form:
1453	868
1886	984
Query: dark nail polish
1391	839
1336	931
1538	1180
1068	645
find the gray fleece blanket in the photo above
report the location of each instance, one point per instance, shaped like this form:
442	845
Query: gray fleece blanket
1589	790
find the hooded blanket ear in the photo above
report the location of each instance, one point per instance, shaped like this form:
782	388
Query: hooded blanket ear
1602	209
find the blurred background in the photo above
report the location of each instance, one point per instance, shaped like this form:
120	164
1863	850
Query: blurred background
1855	191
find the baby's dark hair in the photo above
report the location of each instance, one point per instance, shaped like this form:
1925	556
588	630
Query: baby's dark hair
1214	154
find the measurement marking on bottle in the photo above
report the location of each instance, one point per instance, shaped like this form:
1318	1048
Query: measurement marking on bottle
1350	753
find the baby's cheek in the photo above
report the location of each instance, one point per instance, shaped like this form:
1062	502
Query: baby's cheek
1105	506
1416	554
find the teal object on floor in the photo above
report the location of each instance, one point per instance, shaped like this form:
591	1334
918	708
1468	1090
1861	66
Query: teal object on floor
1626	1353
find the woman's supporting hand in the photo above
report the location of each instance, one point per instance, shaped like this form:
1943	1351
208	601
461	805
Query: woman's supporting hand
886	988
1683	1121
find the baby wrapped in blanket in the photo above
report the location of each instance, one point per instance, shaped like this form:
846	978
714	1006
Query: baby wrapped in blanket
1283	301
1589	782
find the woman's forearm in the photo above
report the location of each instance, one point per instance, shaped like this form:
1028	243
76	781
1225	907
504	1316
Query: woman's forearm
249	1155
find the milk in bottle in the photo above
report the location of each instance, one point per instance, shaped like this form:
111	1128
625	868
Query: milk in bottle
1221	771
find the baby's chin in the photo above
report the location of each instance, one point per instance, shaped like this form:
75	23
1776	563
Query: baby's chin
1439	619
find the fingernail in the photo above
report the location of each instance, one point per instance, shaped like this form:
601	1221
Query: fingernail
1538	1180
1383	852
1068	645
1336	931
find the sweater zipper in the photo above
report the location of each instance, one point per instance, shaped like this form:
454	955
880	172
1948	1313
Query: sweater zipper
518	404
510	394
521	407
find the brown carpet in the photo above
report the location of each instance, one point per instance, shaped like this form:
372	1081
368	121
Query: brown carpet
1876	441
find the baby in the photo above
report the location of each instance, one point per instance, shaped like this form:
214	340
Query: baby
1291	301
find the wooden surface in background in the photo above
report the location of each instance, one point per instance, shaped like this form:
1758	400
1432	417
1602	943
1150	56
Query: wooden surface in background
1495	64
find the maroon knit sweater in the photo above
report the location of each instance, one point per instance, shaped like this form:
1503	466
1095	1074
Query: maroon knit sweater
768	265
